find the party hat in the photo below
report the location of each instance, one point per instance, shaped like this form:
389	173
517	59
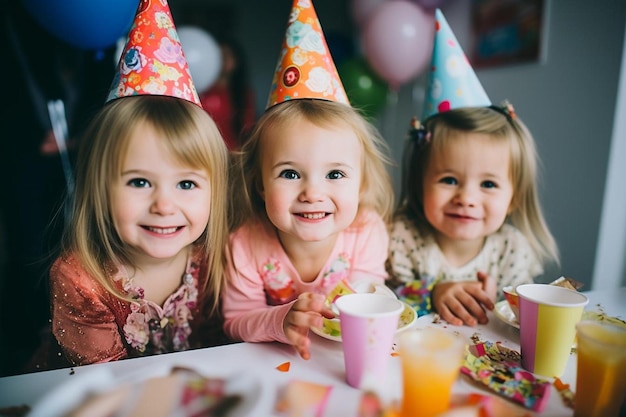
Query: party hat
305	67
452	81
153	62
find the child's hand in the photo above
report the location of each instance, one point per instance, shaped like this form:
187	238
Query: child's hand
306	312
461	303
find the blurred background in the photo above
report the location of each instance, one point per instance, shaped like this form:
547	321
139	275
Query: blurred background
562	64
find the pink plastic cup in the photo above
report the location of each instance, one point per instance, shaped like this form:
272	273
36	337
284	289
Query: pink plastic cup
368	325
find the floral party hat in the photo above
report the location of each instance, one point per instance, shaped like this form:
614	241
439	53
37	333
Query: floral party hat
152	61
452	81
305	67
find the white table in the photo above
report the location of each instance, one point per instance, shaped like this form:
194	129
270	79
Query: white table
259	360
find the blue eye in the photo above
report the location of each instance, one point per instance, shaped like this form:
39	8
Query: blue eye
489	184
187	185
449	180
139	183
289	174
335	175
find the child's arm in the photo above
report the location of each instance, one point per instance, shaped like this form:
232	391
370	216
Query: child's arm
247	316
464	302
84	326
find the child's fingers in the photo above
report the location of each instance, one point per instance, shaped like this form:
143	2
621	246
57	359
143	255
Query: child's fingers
299	339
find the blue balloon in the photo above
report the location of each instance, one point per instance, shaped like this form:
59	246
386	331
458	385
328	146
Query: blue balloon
87	24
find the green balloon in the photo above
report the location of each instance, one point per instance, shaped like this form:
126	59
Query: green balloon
366	90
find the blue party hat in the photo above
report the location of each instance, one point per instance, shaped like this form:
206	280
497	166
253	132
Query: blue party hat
452	81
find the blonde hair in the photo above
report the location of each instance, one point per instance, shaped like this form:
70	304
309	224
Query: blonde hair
376	188
190	136
526	214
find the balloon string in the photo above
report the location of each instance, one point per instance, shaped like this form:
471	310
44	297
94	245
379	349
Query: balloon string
56	110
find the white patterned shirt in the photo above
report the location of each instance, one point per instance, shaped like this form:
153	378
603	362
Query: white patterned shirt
506	257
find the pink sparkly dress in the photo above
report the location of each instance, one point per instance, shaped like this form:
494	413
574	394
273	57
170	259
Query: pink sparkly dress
91	325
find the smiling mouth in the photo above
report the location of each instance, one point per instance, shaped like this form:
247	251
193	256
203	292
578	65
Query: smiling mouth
162	230
462	217
313	216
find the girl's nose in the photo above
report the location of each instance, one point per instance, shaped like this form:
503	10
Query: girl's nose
465	197
163	202
311	192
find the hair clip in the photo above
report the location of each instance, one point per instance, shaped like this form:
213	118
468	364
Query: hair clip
418	133
509	109
506	109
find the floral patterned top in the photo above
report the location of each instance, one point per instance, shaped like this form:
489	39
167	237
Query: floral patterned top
263	283
151	328
91	325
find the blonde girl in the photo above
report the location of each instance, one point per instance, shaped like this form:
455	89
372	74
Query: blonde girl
142	264
469	221
312	196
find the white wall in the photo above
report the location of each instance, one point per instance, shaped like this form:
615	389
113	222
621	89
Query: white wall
611	250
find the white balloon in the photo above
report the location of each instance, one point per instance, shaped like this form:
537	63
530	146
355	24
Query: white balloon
203	54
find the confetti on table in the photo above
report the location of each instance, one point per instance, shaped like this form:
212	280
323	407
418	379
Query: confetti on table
567	395
284	367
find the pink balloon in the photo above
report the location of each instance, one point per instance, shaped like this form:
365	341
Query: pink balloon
398	41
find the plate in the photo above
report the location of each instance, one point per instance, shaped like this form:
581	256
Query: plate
115	398
407	318
503	311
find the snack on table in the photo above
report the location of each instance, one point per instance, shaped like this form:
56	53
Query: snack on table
567	283
183	392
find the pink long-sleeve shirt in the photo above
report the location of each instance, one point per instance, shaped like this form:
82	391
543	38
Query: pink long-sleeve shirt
263	283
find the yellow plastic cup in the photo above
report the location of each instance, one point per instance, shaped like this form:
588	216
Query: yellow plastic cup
548	317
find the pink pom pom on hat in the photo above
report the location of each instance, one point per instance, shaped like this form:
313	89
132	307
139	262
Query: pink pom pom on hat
452	81
305	67
153	62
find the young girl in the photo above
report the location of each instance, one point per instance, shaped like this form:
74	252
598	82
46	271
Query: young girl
469	215
142	262
312	199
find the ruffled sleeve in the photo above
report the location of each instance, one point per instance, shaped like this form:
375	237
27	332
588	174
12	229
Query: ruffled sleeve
84	316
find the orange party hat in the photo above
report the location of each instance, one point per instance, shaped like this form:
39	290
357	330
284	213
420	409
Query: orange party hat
305	68
153	62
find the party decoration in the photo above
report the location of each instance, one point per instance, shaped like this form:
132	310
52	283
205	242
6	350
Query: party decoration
452	82
397	41
498	369
365	89
153	62
204	56
305	67
284	367
87	24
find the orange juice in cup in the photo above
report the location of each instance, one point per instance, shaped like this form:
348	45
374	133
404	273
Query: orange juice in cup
431	359
601	369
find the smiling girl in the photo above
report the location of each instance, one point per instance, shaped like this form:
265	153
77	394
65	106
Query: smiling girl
469	221
312	197
142	262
